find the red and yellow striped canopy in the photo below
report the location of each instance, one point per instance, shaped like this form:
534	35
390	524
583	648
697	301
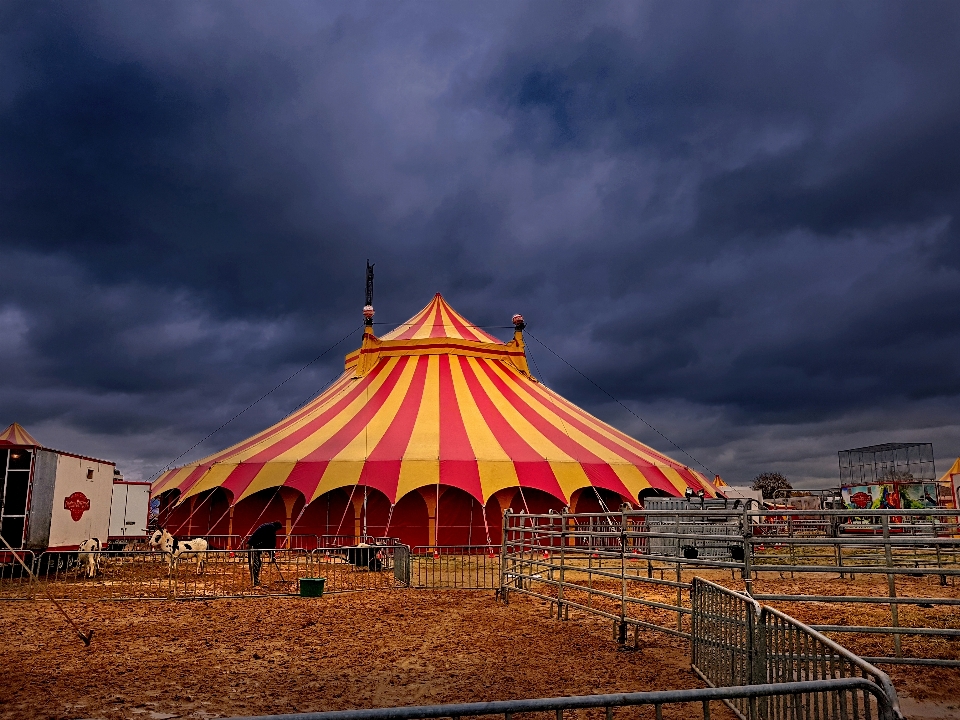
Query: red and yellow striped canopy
436	401
16	435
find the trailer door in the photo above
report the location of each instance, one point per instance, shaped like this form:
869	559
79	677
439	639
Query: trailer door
138	505
118	510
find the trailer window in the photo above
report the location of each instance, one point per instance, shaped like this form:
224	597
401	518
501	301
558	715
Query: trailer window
12	531
15	497
19	459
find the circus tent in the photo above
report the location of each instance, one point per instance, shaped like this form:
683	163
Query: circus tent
432	431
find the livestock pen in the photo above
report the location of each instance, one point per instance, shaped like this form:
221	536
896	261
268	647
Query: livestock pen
635	568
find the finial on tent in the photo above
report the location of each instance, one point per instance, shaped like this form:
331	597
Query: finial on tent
520	362
368	307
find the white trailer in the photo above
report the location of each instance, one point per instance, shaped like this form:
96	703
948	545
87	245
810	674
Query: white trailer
69	500
54	500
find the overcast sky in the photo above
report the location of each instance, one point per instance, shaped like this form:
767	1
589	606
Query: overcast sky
738	219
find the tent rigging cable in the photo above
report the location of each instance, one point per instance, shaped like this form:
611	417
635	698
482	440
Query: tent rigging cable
269	502
486	528
257	401
386	530
196	507
316	393
536	367
210	495
344	516
300	515
601	389
312	395
566	431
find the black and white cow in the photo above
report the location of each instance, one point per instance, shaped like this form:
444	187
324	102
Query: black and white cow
174	550
195	549
88	556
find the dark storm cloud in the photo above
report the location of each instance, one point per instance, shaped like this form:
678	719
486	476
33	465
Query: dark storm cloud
739	219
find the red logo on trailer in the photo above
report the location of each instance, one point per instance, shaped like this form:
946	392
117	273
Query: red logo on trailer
77	504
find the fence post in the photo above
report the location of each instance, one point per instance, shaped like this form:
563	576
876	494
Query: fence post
757	654
793	547
676	531
503	558
590	549
563	544
696	606
891	583
747	549
622	639
840	552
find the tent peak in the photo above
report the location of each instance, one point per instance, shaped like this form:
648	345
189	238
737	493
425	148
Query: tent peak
16	435
439	320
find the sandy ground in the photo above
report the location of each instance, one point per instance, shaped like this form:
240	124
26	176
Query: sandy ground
156	659
150	660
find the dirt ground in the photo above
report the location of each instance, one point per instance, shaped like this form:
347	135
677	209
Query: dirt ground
153	660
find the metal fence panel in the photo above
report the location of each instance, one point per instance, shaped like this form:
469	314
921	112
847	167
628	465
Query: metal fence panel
612	564
722	637
737	641
145	575
464	567
401	565
800	696
14	580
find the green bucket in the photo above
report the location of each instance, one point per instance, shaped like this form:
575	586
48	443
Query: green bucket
311	587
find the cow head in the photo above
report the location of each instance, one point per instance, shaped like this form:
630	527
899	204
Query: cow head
154	541
167	542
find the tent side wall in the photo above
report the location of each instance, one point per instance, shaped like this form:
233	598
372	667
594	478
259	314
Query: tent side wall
340	517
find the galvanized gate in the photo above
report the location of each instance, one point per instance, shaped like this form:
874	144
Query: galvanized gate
736	641
401	564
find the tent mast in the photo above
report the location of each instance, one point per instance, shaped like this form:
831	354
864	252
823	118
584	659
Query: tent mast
368	317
